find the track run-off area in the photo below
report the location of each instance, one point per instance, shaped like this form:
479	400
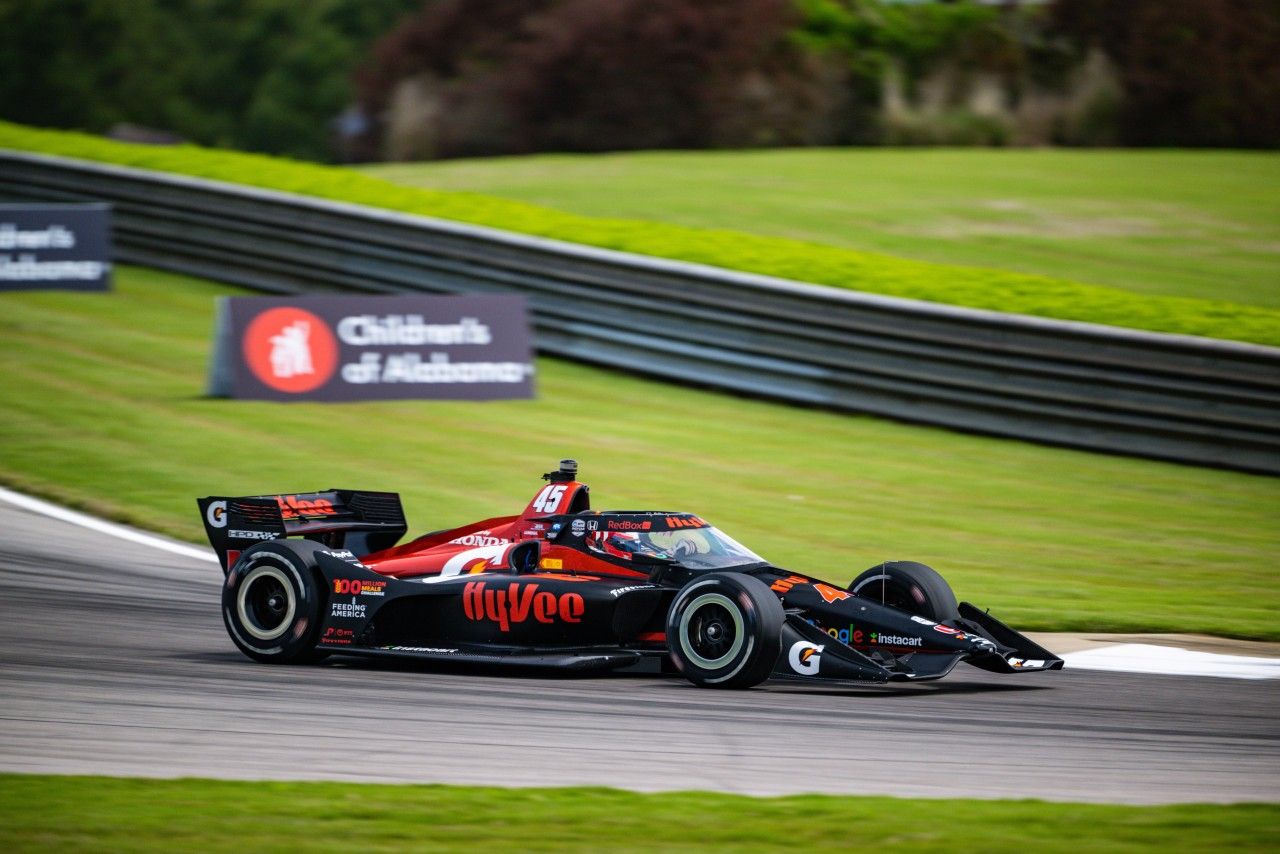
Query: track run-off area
117	663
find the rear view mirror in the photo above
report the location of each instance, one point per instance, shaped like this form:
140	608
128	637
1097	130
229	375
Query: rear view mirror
525	557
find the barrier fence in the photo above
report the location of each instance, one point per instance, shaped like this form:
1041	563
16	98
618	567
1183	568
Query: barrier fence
1102	388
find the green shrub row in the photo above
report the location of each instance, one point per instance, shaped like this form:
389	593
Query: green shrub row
789	259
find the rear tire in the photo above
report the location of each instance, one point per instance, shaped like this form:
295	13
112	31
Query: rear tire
908	586
725	630
272	600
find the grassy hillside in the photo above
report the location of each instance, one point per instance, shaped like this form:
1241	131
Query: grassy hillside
1168	223
43	813
102	408
981	287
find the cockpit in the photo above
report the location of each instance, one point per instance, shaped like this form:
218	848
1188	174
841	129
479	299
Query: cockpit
693	547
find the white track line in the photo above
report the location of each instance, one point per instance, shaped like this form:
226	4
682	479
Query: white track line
1172	661
1124	658
84	520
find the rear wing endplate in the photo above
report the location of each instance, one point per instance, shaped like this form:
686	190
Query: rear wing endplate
360	521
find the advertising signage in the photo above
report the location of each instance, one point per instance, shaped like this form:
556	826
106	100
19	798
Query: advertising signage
372	348
62	247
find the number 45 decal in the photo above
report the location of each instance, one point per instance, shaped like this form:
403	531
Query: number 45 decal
549	498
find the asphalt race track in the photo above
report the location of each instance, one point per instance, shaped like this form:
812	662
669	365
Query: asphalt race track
116	662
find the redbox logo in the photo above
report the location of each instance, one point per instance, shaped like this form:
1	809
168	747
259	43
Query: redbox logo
290	350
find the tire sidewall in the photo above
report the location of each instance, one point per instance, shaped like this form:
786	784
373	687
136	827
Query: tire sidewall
932	594
293	565
758	631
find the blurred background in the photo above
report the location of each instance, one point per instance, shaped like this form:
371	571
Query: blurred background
351	80
1102	162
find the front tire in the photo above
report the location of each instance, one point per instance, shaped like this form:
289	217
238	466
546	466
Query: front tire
725	631
271	603
908	586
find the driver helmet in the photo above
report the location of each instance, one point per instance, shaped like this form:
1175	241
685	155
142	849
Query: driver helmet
668	544
615	543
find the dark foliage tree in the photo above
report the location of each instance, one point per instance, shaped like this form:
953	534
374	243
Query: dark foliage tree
1194	72
265	75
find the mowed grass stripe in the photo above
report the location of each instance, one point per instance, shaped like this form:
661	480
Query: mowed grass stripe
978	283
42	813
1167	223
102	407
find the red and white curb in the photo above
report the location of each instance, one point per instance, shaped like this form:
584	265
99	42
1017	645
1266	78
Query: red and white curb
1122	658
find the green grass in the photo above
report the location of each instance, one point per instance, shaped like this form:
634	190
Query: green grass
101	407
980	287
42	813
1165	223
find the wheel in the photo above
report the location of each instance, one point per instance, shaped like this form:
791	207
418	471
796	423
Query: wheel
271	603
911	587
725	630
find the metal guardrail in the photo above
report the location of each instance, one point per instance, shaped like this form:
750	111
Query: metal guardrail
1170	397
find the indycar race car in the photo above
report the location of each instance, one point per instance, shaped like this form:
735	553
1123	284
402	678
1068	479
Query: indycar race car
563	586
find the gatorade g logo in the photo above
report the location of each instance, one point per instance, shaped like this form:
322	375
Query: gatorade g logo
516	603
805	658
290	350
216	513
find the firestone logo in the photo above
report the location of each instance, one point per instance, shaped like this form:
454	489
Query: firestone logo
290	350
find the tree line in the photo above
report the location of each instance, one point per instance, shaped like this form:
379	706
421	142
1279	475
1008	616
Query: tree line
353	79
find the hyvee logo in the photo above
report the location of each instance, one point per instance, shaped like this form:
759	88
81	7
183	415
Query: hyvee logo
517	602
290	350
784	585
293	507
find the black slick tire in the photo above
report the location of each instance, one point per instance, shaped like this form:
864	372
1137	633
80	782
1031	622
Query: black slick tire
272	602
908	586
724	630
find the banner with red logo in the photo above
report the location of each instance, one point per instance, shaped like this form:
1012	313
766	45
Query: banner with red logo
373	348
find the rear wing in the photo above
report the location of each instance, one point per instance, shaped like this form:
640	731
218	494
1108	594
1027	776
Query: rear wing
362	522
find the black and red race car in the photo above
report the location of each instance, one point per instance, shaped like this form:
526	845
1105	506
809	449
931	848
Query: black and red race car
563	586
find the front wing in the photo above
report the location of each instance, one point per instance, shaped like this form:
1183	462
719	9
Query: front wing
830	634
